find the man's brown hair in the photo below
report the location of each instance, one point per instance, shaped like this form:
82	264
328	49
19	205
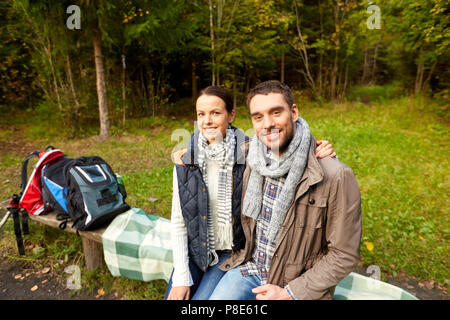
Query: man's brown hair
271	86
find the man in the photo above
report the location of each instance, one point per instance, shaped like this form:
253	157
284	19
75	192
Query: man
301	216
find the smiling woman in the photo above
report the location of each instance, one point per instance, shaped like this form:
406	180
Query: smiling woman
213	116
206	199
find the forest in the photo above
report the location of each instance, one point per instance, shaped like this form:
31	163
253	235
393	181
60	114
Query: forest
108	61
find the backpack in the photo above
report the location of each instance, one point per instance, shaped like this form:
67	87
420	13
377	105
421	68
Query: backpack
94	197
30	199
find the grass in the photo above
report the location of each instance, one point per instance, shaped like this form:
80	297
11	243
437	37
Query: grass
397	147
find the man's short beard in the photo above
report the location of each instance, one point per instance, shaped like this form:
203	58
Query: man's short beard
280	149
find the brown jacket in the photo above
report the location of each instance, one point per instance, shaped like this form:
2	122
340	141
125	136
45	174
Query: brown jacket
318	244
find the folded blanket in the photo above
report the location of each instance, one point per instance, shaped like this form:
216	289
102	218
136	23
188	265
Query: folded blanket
138	246
358	287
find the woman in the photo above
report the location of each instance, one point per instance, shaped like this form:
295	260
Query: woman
206	203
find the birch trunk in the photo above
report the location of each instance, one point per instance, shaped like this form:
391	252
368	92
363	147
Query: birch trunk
101	86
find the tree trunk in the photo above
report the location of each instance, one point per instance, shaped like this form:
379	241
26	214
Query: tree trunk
335	70
319	73
55	80
144	97
211	34
304	54
194	82
282	68
365	66
234	92
124	90
76	110
344	88
374	68
419	73
419	78
101	86
334	74
426	83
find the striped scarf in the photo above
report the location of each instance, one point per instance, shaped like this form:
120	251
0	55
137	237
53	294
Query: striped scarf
223	152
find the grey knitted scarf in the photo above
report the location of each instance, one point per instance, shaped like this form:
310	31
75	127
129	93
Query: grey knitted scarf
223	153
292	161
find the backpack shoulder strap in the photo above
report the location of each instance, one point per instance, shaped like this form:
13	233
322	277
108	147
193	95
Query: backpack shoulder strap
24	168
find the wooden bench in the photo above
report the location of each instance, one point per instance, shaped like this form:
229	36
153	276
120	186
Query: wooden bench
91	240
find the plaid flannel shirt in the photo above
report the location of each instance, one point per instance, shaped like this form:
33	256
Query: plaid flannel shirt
264	249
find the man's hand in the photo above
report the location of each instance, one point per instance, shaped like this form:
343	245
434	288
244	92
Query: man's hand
271	292
179	293
176	157
324	149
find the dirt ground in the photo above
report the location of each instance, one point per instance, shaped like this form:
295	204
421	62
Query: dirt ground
20	281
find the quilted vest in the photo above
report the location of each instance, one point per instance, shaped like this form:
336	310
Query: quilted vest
194	200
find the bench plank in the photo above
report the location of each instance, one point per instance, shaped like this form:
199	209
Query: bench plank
50	220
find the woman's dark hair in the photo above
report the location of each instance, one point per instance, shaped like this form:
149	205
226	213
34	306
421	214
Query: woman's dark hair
221	93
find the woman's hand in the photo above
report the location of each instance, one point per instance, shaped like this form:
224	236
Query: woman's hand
179	293
324	149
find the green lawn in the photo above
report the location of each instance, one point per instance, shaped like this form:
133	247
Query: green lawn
397	148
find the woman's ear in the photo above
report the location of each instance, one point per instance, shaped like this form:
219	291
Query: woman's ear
231	116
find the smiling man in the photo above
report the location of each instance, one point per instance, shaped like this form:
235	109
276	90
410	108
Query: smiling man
301	216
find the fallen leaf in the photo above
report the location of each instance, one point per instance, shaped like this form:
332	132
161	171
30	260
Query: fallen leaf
429	284
17	276
151	199
45	270
421	285
44	281
101	292
421	238
369	245
34	288
38	250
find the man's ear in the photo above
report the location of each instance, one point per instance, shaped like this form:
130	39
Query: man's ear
294	112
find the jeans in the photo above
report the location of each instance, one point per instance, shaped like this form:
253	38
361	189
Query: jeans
204	282
234	286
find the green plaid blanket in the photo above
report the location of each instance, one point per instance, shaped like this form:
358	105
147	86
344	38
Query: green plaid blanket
138	246
358	287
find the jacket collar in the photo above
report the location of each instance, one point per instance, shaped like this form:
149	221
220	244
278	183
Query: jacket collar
313	172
